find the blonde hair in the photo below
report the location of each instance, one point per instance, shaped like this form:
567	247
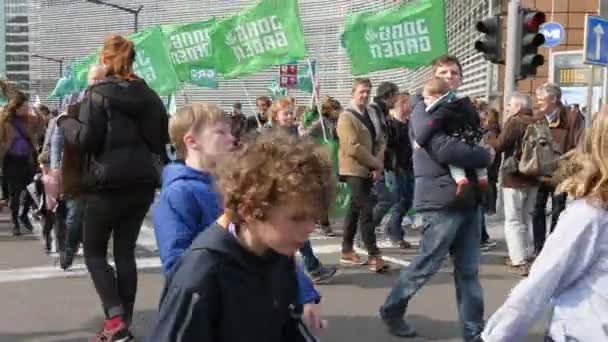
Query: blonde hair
192	118
435	87
273	111
586	168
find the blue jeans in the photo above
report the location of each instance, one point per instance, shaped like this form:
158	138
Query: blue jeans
403	187
457	234
311	263
73	221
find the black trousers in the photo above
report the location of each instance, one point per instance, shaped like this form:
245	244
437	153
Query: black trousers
539	220
19	173
360	215
55	220
119	214
4	183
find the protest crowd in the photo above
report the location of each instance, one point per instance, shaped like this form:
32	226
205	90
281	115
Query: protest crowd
233	212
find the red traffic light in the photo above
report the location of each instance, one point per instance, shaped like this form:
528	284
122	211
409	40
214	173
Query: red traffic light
532	20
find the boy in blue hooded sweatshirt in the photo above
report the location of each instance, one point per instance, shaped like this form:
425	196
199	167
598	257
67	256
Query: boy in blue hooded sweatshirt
189	202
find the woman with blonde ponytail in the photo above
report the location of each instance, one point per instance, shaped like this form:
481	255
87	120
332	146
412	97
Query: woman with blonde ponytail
122	130
571	273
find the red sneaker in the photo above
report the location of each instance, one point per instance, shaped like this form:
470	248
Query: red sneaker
113	333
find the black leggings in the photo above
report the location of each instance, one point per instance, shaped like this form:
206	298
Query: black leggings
120	214
19	173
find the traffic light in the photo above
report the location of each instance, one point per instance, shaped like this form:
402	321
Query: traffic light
531	40
490	45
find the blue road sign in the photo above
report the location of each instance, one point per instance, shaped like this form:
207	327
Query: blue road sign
554	34
596	41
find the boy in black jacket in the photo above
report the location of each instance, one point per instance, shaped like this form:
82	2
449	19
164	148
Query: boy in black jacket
238	282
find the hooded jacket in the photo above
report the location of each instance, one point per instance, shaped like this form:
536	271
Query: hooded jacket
121	129
220	292
187	205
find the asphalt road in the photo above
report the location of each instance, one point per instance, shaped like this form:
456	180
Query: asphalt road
42	303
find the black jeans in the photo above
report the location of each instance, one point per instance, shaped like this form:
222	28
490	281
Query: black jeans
55	220
4	183
19	173
118	213
360	213
539	221
74	222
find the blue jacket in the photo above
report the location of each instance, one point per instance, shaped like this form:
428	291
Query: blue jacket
188	204
435	188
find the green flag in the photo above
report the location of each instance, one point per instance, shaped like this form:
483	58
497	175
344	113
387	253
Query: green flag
152	62
268	34
81	70
275	91
206	78
65	86
409	36
189	47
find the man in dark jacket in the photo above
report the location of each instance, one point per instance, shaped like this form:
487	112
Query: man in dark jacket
452	226
399	174
386	96
551	109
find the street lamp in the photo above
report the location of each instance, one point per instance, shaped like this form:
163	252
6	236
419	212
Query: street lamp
135	12
58	61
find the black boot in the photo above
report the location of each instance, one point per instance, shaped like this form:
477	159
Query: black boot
397	326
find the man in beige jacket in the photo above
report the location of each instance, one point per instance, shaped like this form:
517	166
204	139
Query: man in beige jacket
361	152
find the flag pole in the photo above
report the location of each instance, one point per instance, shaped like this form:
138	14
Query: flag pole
251	104
315	97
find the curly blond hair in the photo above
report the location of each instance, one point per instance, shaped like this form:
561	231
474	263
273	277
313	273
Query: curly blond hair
585	169
271	169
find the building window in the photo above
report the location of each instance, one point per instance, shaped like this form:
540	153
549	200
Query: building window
17	67
16	39
17	48
17	77
17	29
17	19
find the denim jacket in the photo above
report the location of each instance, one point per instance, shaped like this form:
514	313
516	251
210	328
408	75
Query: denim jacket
56	147
570	275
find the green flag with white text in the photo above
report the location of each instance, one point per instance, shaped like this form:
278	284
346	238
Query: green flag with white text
152	62
409	36
189	47
268	34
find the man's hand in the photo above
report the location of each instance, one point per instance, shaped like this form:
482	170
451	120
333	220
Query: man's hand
376	174
312	317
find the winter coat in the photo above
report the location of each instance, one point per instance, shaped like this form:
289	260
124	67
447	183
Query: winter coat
188	204
222	292
122	129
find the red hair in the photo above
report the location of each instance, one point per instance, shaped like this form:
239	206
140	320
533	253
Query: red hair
119	54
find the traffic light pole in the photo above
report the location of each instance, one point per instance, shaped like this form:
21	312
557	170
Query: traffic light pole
603	12
490	67
512	50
